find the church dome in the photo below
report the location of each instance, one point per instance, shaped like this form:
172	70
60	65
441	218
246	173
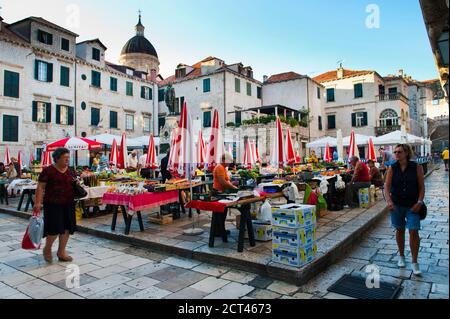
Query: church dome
139	43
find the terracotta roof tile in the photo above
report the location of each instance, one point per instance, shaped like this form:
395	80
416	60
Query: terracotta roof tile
8	34
332	75
284	77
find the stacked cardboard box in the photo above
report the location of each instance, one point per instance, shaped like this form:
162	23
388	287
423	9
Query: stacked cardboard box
294	234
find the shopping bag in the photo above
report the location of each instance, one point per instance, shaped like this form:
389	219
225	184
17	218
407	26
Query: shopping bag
33	235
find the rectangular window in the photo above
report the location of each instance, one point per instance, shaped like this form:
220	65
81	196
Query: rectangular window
359	119
64	76
113	84
161	93
259	92
62	114
96	79
10	128
129	89
249	89
238	118
358	90
392	93
95	54
237	85
206	85
11	84
207	119
95	116
45	37
43	71
318	93
147	123
113	119
320	123
161	123
65	44
146	93
129	122
331	122
330	95
41	112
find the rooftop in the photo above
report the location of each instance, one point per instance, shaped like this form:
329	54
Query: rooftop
287	76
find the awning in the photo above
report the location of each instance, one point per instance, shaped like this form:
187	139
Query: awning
322	142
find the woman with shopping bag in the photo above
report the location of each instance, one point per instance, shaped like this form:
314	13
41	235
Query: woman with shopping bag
55	193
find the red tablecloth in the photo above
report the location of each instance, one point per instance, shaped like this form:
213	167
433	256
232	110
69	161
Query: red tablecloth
208	206
137	203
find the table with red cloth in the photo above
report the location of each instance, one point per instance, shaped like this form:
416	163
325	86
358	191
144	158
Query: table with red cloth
131	204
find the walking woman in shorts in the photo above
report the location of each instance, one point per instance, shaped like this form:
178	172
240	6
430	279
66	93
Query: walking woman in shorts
55	191
404	192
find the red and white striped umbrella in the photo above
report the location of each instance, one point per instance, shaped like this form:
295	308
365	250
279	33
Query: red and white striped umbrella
74	144
371	151
19	159
353	147
7	159
114	156
290	152
216	145
122	163
328	157
151	162
201	150
46	159
278	155
249	159
174	150
255	152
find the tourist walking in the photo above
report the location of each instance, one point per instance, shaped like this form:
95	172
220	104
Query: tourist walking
56	192
404	192
445	157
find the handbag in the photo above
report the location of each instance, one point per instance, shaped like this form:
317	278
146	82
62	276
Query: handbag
423	211
79	191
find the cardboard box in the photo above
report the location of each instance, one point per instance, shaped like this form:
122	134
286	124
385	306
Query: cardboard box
295	257
262	230
292	238
294	215
363	196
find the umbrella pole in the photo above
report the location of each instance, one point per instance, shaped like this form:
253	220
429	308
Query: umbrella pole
194	231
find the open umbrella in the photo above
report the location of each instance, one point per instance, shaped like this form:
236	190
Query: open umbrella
216	145
290	152
328	157
277	158
114	156
75	144
353	147
201	150
371	151
150	162
46	159
7	159
122	163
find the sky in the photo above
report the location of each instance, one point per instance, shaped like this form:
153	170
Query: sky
305	36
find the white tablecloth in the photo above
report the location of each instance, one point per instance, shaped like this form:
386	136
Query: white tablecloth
21	184
96	192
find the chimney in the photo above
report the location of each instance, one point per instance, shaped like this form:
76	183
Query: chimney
153	75
400	73
265	78
340	72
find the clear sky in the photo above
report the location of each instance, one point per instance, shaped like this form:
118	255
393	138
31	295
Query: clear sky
308	37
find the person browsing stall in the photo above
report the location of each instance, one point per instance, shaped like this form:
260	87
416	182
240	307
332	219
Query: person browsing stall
133	161
165	173
375	175
220	176
360	179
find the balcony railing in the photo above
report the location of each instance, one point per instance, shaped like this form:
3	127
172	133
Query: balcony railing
393	97
382	130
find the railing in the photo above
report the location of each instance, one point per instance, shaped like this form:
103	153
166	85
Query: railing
382	130
393	97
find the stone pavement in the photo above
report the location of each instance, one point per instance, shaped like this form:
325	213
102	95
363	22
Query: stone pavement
110	269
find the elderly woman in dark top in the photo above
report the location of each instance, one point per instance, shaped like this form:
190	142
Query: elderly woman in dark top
55	191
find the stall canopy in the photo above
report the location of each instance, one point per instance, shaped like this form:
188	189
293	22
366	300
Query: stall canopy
331	141
360	140
143	140
396	138
107	139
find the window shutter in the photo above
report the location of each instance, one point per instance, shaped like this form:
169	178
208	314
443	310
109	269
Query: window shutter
36	69
48	112
143	92
365	120
151	94
58	114
70	116
353	119
34	112
49	72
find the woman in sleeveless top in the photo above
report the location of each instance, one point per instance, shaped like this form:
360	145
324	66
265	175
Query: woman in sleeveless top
404	192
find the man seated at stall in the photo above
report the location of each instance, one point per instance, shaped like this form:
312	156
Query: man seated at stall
133	161
375	175
220	176
360	179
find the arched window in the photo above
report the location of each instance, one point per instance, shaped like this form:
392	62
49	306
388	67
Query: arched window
388	118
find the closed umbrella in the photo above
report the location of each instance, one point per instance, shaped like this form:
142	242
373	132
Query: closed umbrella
201	150
122	163
256	153
277	158
216	145
7	159
328	157
46	159
371	151
174	150
249	160
353	147
184	143
114	156
290	152
150	162
19	159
